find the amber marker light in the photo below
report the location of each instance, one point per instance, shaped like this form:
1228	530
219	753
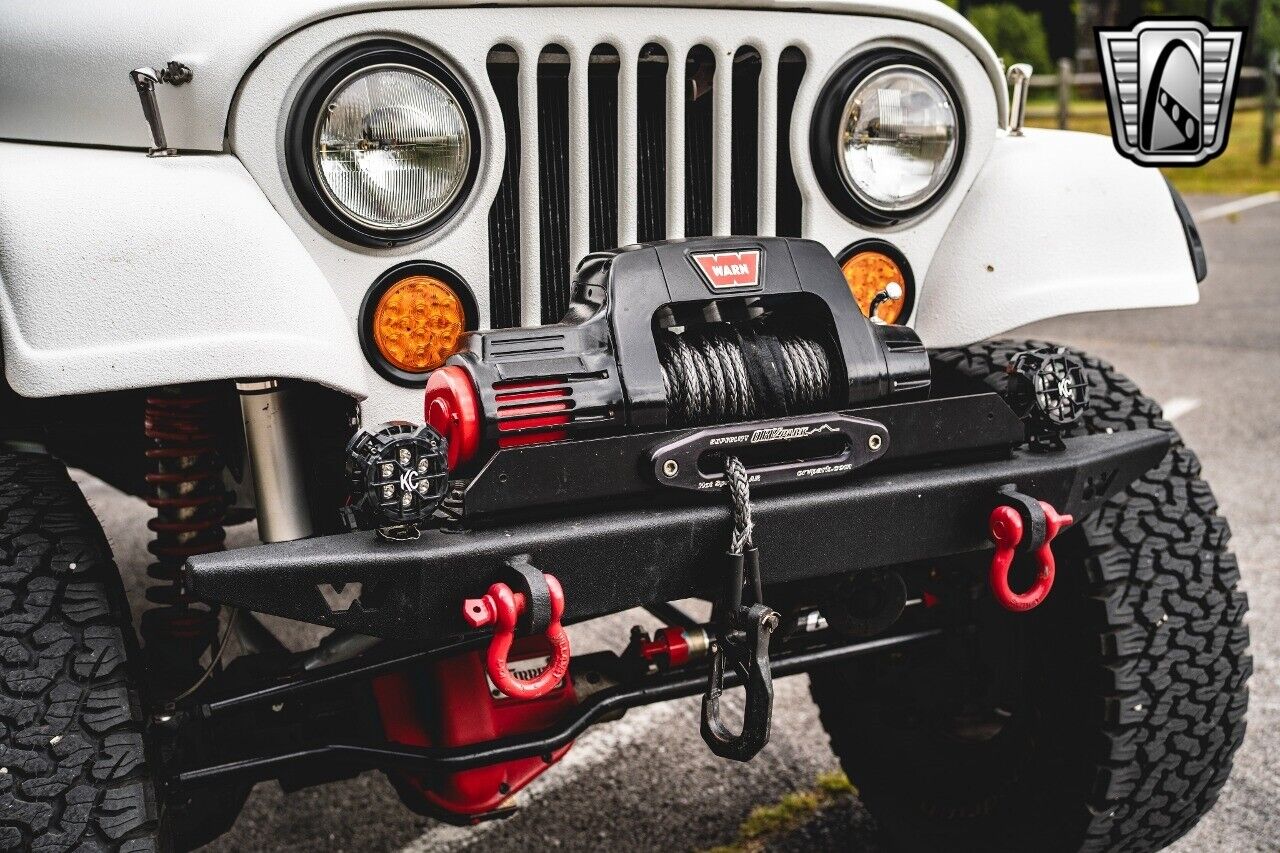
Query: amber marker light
869	271
417	323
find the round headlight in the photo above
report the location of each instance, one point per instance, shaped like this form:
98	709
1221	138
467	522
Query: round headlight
382	144
887	137
392	147
897	138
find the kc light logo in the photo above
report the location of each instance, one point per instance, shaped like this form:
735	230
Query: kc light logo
1171	84
738	270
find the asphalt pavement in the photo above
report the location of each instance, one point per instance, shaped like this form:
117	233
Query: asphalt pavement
647	782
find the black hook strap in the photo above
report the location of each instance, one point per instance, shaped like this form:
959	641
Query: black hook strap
523	576
1035	525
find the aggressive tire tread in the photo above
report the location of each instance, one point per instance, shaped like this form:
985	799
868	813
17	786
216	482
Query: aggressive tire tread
1161	624
74	773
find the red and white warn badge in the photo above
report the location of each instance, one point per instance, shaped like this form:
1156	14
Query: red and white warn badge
736	270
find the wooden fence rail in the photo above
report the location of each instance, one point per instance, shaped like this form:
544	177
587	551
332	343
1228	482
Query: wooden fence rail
1067	80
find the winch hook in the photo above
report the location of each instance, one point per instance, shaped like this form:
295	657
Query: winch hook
742	637
502	607
1015	517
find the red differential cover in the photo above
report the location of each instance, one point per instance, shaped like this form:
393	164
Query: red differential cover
453	703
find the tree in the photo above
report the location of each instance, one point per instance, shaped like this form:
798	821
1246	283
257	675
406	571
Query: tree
1017	35
1262	17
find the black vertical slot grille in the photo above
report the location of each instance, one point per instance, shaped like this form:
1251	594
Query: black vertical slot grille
791	68
698	152
553	180
651	130
604	123
745	190
504	214
602	147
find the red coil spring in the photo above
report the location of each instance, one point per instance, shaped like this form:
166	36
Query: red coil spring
184	475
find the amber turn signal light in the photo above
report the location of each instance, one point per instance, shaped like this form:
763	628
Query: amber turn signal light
417	323
870	271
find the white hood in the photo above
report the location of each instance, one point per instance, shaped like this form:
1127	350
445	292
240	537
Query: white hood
64	64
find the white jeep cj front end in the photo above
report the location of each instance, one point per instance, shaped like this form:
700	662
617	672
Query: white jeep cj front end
500	317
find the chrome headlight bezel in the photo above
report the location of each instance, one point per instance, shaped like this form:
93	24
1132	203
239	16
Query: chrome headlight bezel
303	125
826	131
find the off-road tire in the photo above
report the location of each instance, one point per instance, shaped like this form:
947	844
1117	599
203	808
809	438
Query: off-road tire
75	768
1138	674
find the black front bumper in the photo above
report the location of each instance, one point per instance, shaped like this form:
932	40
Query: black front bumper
612	560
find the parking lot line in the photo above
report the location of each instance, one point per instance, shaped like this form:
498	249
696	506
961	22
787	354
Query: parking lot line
1238	206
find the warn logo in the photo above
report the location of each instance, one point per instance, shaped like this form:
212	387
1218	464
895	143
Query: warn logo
730	270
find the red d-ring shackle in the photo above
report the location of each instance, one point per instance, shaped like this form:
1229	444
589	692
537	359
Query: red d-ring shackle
1006	531
501	607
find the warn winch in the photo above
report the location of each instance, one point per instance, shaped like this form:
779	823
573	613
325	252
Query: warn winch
678	334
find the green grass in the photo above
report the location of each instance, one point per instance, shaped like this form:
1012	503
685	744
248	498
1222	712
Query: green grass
1236	171
790	812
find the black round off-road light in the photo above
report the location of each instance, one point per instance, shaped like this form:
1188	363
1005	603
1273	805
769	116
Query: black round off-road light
398	473
1048	388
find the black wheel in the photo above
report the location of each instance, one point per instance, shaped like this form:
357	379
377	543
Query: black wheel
75	769
1107	718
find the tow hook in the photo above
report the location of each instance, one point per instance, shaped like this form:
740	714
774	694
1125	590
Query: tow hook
741	637
1022	523
744	641
542	603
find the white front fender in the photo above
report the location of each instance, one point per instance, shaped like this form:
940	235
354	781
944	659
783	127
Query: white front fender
1056	223
122	271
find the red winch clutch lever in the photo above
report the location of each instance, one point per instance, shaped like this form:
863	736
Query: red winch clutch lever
1006	528
501	607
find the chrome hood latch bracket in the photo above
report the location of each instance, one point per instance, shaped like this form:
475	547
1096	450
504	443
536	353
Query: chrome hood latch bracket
144	80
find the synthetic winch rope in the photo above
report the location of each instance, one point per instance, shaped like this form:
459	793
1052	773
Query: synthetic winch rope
742	542
740	495
727	372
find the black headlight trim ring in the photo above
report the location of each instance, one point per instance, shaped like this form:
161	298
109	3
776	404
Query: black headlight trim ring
305	115
364	325
824	127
